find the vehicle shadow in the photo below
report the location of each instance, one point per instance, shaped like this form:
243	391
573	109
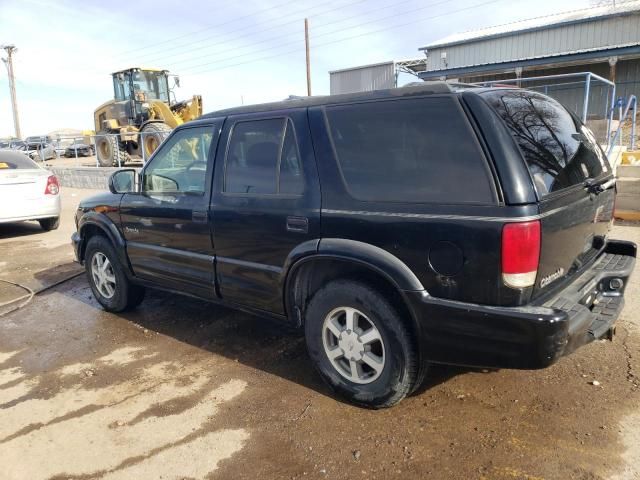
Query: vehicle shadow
258	342
19	229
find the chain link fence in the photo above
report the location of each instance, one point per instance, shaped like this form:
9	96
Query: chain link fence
590	96
96	150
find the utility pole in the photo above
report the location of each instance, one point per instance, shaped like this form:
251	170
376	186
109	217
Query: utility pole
306	45
11	49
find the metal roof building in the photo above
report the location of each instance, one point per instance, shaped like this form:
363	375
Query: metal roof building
608	35
603	40
377	76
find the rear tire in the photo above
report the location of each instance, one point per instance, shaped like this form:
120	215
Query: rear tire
153	134
48	224
372	361
110	151
108	281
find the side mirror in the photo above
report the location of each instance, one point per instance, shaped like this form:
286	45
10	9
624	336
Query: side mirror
123	181
176	79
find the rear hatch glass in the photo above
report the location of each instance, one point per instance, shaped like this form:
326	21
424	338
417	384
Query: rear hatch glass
16	161
563	159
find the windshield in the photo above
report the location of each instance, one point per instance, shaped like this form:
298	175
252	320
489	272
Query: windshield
146	85
153	85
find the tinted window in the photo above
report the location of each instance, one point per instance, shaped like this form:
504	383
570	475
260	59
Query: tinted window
16	161
291	179
181	163
252	156
257	149
414	150
560	152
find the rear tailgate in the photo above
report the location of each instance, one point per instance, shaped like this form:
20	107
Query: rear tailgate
574	230
572	178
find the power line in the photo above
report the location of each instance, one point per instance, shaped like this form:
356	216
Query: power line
331	32
169	40
191	50
349	38
190	64
198	69
249	34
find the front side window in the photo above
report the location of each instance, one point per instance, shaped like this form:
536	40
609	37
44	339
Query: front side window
559	151
121	86
263	158
180	164
414	150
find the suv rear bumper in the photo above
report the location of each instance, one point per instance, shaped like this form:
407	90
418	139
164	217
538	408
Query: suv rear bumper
532	336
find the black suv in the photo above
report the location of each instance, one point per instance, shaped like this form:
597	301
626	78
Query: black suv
423	224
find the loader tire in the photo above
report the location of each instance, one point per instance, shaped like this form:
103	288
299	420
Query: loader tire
152	135
110	151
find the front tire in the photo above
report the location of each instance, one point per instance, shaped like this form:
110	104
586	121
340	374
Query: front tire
110	151
152	135
48	224
108	281
360	345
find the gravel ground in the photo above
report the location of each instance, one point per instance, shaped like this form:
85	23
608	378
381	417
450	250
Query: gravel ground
183	389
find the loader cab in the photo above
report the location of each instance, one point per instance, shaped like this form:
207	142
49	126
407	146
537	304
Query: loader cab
141	85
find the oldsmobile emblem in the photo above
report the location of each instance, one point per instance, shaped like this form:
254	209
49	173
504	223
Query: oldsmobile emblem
551	277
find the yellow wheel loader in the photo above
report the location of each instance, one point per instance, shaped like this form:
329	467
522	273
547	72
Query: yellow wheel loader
140	116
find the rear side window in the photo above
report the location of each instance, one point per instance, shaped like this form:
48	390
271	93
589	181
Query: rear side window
16	161
414	150
559	151
263	158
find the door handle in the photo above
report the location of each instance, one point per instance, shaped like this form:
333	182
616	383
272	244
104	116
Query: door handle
298	224
200	216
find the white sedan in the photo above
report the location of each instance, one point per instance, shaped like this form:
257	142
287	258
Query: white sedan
27	191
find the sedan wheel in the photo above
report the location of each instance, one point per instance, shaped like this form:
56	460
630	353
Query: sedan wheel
103	275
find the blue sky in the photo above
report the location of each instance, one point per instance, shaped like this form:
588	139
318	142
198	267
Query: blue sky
251	51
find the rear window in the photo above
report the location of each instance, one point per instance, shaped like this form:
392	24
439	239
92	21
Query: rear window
16	161
414	150
559	151
263	159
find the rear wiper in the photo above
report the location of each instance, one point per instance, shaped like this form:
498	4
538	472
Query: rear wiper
593	187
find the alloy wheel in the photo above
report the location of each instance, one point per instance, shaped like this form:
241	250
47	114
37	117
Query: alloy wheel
353	345
103	275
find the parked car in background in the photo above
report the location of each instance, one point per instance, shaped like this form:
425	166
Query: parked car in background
41	147
13	144
27	191
7	142
34	141
79	150
397	228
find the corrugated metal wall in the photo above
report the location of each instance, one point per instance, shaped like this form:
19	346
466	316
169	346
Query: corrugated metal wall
600	33
363	79
628	77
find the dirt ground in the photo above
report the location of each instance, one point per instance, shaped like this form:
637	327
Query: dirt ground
183	389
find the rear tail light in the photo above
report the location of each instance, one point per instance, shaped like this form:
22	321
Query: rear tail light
53	187
520	253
